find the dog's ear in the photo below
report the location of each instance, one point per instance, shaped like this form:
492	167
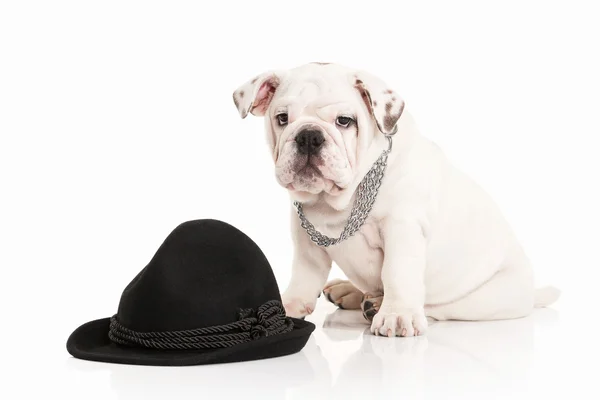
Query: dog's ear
255	95
384	104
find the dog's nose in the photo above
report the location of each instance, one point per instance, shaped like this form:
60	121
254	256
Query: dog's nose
309	141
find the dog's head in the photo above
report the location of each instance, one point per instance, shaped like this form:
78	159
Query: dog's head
320	121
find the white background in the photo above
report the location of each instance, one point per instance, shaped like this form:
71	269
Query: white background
117	124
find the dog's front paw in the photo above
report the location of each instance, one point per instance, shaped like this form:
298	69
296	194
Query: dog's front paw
296	307
392	321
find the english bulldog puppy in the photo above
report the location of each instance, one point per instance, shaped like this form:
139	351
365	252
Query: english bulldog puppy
434	243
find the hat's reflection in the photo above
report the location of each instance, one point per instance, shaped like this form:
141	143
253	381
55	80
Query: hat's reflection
305	372
454	358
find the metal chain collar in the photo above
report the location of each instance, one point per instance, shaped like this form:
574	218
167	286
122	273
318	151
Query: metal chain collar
366	194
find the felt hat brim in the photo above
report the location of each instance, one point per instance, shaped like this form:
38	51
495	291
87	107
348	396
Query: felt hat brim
90	342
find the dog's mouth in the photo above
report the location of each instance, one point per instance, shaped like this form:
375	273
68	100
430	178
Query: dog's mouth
305	168
309	176
312	172
308	165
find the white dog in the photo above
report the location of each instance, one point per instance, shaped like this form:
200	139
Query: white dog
433	245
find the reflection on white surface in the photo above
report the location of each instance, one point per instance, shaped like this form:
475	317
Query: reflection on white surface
455	358
343	360
270	378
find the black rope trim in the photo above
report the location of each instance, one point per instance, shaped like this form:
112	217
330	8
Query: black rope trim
268	320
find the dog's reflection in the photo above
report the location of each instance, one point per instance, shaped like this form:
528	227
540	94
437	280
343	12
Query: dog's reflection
455	358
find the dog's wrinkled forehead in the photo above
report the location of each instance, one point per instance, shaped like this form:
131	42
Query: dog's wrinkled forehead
317	82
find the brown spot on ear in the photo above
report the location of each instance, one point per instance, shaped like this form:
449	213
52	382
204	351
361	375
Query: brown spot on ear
388	91
236	101
390	120
242	94
374	103
359	82
388	123
253	81
388	108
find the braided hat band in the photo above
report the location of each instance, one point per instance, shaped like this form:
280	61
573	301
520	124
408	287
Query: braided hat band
268	320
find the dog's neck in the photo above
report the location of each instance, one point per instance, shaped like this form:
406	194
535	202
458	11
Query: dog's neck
332	211
402	142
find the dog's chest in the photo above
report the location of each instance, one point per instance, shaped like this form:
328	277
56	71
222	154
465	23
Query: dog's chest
361	257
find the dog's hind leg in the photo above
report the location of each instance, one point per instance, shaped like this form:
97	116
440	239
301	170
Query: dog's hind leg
343	294
370	305
508	294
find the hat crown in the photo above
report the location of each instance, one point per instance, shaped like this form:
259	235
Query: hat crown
203	273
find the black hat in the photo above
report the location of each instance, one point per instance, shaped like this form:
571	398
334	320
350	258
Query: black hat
207	296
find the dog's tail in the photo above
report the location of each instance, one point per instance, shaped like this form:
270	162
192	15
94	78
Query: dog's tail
545	296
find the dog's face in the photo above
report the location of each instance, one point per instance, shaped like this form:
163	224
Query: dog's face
320	120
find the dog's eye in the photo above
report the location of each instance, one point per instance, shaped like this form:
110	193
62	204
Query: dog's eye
282	119
343	121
